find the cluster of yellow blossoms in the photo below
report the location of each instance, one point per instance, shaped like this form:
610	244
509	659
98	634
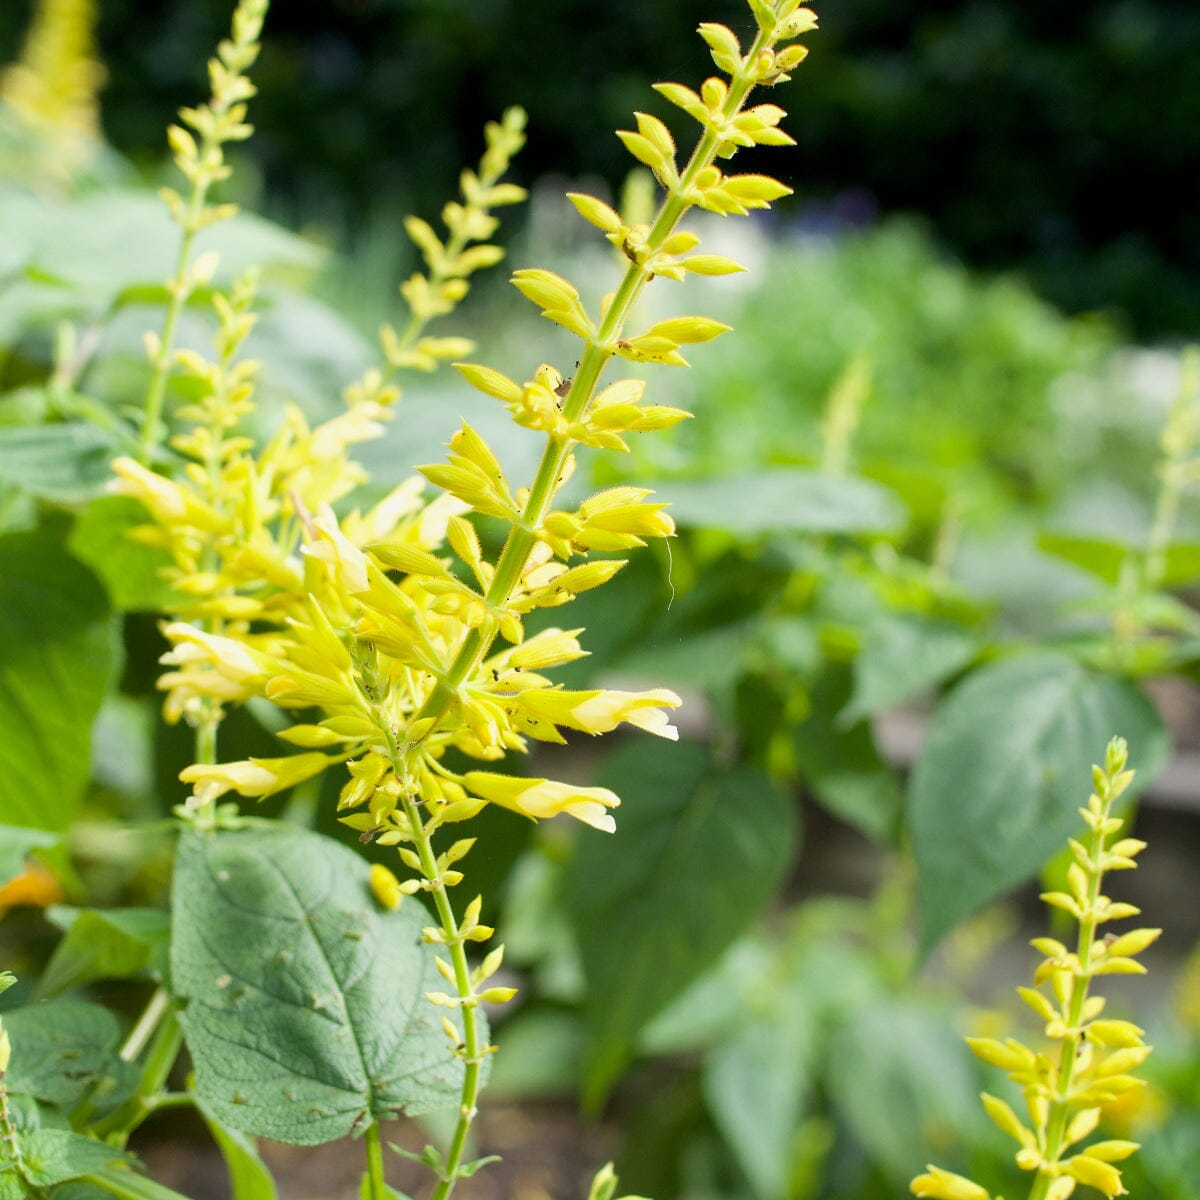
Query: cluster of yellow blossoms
1066	1091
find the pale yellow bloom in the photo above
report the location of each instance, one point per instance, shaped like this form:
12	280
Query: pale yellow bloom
543	798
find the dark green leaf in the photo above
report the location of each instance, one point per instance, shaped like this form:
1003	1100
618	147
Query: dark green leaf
996	788
699	852
15	845
55	1155
791	500
756	1084
128	569
903	1081
62	1050
1105	557
306	1013
104	944
56	658
900	657
66	462
842	766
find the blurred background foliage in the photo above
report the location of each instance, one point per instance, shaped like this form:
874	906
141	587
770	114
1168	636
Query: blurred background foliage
1021	131
921	486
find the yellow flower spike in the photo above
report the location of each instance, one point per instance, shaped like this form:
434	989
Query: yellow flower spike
540	799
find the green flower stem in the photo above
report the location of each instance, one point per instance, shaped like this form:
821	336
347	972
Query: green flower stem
1060	1106
147	1023
156	393
373	1146
472	1052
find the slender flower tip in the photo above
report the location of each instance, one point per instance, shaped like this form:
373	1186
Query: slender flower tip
945	1185
540	799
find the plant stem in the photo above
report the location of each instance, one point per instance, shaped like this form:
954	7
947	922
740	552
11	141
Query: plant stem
472	1052
374	1149
140	1034
157	390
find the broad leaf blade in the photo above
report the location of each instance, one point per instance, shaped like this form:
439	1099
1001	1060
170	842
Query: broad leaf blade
900	657
306	1013
64	1049
785	500
67	462
699	852
56	657
52	1156
1006	765
129	570
104	944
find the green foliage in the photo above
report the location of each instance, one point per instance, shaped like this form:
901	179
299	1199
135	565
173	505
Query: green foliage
994	790
56	663
707	853
284	962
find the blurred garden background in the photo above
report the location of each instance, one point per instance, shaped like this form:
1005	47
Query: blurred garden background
939	537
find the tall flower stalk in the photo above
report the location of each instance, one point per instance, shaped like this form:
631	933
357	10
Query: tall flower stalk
1090	1060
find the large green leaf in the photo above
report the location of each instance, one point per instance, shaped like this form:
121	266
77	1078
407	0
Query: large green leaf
842	766
785	499
66	462
306	1013
699	852
996	788
902	1080
56	658
104	944
756	1084
62	1050
900	657
128	569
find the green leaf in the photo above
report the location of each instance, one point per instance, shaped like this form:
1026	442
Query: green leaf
56	658
757	1084
11	1187
1098	556
996	788
901	1079
699	852
1104	557
104	944
306	1013
129	1185
785	500
128	569
64	1049
15	846
55	1155
842	766
900	657
249	1178
66	462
